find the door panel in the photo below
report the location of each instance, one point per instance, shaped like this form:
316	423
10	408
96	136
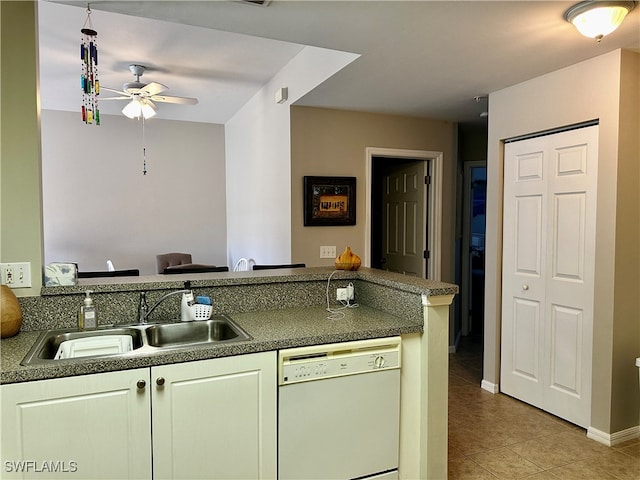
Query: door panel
574	157
391	226
566	328
526	336
569	237
529	166
523	287
548	260
403	219
410	228
528	241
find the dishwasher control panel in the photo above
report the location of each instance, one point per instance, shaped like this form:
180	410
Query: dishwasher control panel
339	359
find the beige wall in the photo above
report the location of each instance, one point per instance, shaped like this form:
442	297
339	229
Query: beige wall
586	91
113	211
626	317
21	222
327	142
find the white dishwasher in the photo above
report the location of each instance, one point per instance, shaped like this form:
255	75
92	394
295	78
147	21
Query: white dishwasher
339	410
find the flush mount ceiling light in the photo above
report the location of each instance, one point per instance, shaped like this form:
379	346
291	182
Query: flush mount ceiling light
595	18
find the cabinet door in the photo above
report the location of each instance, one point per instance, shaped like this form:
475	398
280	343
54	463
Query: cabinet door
215	419
89	427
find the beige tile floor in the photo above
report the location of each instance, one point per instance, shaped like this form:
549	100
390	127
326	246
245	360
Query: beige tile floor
498	437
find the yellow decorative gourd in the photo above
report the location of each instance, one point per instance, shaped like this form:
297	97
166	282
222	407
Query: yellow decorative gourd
348	260
11	313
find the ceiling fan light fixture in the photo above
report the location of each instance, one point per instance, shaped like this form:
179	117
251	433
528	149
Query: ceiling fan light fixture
137	107
148	109
132	109
596	19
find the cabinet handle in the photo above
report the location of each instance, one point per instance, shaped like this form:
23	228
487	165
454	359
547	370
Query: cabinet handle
525	287
160	381
141	384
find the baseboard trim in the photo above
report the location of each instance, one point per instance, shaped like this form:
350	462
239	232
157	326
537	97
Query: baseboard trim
612	439
490	387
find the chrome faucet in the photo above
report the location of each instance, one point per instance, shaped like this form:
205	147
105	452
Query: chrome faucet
144	311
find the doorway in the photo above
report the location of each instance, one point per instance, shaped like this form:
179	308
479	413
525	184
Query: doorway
399	215
473	236
431	220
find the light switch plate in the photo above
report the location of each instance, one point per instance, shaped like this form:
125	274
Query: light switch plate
328	251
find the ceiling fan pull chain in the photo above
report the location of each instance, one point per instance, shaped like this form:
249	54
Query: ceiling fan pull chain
144	150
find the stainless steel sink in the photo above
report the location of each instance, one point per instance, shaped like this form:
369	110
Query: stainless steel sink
218	329
145	338
47	345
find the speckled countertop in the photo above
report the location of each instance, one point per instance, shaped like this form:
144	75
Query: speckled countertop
389	305
261	277
271	330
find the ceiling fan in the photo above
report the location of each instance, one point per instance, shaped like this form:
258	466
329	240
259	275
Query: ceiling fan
143	95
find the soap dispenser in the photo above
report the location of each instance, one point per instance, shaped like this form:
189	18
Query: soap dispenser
185	306
88	315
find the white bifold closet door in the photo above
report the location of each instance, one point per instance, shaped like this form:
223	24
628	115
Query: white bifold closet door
548	271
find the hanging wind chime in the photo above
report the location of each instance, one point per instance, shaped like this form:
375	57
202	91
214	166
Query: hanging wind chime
89	77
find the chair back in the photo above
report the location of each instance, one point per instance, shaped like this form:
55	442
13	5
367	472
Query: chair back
194	268
284	265
171	259
134	272
241	265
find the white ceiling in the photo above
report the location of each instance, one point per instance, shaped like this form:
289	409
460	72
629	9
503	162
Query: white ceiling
419	58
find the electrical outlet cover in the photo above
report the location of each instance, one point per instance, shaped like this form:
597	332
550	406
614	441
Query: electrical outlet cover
16	275
342	294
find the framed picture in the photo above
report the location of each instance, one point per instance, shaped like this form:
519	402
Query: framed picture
329	201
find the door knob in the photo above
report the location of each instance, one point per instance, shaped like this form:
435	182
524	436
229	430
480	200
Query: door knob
141	384
525	287
160	381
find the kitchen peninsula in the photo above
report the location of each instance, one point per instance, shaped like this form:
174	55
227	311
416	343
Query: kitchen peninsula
278	309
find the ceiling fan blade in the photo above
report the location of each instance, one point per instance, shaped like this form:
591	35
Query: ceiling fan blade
114	90
153	88
114	98
182	100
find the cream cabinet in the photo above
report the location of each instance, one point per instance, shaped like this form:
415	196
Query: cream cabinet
89	427
215	418
205	419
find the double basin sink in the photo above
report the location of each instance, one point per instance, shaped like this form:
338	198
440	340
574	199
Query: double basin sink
145	338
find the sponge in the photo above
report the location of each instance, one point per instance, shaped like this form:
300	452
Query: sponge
203	300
